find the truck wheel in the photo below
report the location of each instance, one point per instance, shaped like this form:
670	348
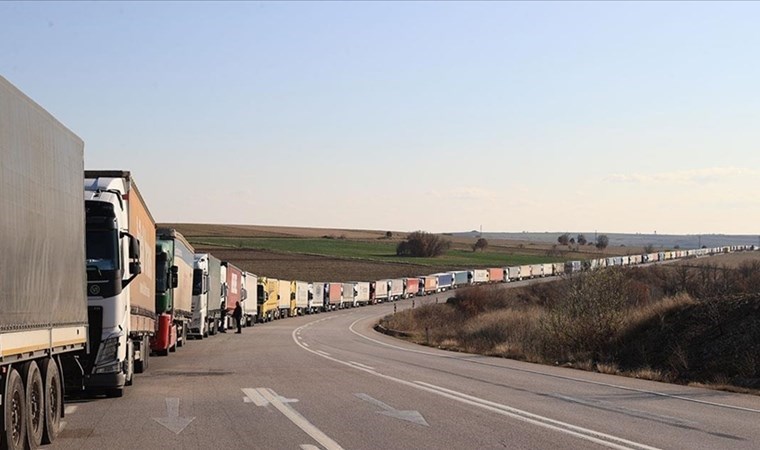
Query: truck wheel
14	412
35	405
53	401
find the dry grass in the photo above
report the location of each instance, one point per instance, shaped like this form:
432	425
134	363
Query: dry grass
647	373
730	260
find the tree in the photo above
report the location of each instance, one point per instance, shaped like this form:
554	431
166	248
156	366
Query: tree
422	244
581	239
564	239
388	234
481	245
649	248
602	241
572	241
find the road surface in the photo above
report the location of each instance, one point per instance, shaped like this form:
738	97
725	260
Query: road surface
328	381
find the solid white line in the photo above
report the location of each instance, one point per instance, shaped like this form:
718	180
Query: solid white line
582	433
70	409
300	421
322	353
254	396
305	344
585	433
364	366
309	447
562	377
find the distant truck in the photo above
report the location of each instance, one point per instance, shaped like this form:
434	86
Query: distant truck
43	300
175	262
495	275
461	278
121	284
268	290
348	296
249	303
361	288
479	276
316	297
299	292
207	293
411	287
380	291
445	281
232	292
396	289
286	303
333	296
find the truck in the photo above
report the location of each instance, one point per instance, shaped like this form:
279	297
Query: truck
207	292
461	278
267	292
380	291
232	292
43	297
175	262
397	289
250	305
428	285
348	297
512	273
496	275
121	283
445	281
286	303
316	297
299	292
333	296
411	287
361	288
479	276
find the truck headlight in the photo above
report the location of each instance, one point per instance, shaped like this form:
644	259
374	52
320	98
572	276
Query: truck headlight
109	351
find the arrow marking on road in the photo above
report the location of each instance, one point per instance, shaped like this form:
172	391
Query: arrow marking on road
173	421
409	416
265	396
257	396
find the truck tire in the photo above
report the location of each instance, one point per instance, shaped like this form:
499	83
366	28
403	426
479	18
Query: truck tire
35	404
14	413
53	401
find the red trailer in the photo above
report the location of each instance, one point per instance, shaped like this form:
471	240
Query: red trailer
335	291
496	275
233	289
411	287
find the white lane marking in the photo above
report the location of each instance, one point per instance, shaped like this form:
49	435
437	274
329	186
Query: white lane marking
390	411
322	353
582	433
305	344
309	447
299	420
253	396
364	366
70	409
561	377
173	422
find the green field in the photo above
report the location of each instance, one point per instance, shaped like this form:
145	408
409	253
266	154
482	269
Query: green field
384	251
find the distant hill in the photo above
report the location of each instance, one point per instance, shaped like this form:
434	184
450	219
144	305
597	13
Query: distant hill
660	241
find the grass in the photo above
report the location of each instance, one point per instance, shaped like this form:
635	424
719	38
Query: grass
382	251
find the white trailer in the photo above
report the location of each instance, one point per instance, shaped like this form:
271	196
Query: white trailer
301	291
512	273
316	297
43	301
479	276
396	289
381	290
348	296
361	288
249	303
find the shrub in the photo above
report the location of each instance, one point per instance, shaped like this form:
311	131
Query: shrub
422	244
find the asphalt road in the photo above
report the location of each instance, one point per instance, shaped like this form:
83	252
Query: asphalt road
329	381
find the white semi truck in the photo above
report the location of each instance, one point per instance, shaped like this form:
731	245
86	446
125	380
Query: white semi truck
43	299
121	286
207	291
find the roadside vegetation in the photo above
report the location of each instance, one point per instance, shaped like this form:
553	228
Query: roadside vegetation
684	324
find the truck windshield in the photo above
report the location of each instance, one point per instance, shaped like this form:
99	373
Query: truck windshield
162	270
102	249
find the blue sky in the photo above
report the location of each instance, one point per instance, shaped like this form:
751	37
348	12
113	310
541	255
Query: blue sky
622	117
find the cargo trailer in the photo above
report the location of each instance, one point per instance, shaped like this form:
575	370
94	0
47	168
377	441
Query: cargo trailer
512	273
299	290
411	287
445	281
286	303
334	295
380	291
250	303
207	291
361	288
461	278
316	297
496	275
43	281
397	289
479	276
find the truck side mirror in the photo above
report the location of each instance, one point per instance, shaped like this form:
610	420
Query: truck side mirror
243	294
135	268
174	277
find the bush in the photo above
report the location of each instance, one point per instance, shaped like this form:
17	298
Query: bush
422	244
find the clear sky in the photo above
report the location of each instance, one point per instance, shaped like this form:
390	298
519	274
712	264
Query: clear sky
609	116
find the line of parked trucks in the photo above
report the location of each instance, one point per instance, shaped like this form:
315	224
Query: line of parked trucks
90	290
